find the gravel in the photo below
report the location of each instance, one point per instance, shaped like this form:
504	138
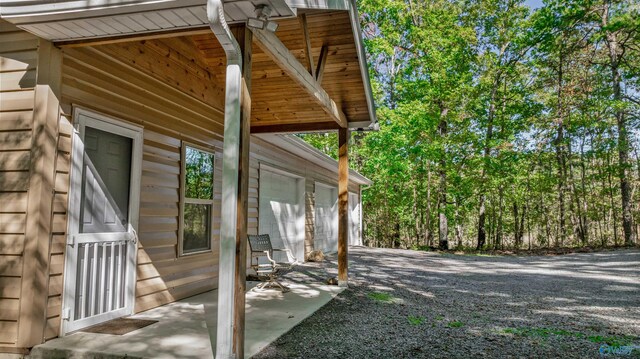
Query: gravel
408	304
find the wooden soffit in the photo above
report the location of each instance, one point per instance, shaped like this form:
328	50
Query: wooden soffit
282	104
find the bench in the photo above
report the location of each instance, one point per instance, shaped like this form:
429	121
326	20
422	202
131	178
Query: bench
265	264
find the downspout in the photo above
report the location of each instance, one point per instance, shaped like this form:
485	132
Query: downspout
230	168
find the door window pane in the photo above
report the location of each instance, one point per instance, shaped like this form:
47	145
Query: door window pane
106	178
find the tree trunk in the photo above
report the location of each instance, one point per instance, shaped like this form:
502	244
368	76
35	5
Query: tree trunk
516	226
522	218
560	155
498	242
415	213
482	232
428	234
613	213
623	135
443	226
459	226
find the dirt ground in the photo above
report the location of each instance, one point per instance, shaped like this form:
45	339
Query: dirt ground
408	304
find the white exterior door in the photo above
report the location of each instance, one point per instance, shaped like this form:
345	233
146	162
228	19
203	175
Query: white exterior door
326	217
101	245
355	228
281	211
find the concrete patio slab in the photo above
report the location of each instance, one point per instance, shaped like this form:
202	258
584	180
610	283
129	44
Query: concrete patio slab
186	329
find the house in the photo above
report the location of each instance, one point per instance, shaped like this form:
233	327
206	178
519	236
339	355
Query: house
141	141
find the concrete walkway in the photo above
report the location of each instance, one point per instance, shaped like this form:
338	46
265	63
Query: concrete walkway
186	329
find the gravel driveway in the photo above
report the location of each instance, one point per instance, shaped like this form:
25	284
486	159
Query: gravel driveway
407	304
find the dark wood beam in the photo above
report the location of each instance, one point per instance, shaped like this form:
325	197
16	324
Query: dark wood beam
245	38
278	52
307	44
343	207
322	60
295	127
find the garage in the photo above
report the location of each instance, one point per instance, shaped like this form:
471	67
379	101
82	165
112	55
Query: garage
326	217
281	212
355	220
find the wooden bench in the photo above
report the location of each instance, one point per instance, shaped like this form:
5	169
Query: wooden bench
265	264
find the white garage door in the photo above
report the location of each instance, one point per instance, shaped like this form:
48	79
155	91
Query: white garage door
282	211
326	226
355	233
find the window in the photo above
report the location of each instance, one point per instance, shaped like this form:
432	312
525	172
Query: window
197	208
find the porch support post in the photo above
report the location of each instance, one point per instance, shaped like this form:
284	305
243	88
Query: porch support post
230	175
244	38
343	207
37	242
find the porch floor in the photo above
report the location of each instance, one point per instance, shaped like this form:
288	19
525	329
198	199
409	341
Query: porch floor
186	328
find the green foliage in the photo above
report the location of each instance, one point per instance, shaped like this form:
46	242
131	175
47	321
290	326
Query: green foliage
487	101
614	340
455	324
415	320
381	297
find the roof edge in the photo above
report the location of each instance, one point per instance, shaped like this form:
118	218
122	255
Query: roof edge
301	148
350	6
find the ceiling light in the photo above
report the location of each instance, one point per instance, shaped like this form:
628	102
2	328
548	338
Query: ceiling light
256	23
272	26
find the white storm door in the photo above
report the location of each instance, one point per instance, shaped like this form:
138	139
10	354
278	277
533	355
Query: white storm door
281	211
326	218
102	242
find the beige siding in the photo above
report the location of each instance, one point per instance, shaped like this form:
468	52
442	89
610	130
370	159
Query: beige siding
164	277
18	59
59	231
310	216
105	79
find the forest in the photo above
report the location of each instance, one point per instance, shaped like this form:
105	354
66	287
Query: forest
502	125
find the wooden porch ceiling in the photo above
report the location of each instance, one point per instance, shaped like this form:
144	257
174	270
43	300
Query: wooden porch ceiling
279	104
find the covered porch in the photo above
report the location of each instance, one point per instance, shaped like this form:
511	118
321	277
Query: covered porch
176	74
186	329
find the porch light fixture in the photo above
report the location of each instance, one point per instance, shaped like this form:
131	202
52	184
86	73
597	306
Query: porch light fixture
261	20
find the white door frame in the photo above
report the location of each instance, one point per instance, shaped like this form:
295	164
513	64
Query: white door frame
83	118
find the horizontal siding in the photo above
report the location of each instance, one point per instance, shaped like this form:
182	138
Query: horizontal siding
163	276
18	60
167	95
59	227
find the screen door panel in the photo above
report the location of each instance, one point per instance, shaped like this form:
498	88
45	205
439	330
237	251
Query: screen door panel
106	182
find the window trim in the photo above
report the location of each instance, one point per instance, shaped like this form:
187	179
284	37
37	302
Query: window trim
184	200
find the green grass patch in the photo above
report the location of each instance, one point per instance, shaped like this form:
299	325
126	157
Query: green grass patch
381	297
455	324
413	320
615	341
439	318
